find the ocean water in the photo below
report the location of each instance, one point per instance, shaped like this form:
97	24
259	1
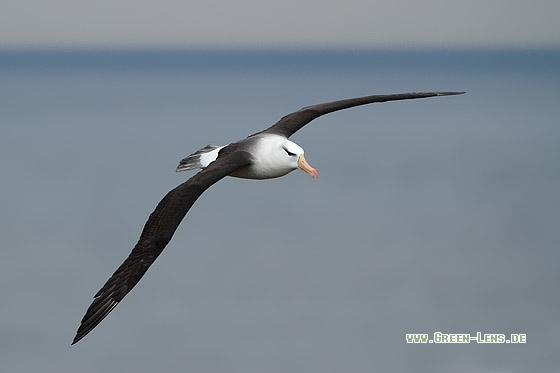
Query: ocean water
435	215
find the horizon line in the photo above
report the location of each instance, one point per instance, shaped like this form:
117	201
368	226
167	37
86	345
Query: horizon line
292	59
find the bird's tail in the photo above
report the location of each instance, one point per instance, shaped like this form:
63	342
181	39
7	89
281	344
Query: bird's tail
199	159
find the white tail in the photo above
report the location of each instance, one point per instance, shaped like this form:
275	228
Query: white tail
199	159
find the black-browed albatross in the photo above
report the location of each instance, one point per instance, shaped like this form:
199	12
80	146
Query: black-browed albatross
263	155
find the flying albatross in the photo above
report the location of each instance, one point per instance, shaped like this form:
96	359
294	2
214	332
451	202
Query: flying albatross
264	155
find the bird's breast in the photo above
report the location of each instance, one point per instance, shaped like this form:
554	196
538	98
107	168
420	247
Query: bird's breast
259	172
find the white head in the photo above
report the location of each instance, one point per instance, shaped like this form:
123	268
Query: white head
291	154
274	156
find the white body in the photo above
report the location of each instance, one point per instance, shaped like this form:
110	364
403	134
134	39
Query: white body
273	156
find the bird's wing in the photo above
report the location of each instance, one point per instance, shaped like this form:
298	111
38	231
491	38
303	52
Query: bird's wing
291	123
157	232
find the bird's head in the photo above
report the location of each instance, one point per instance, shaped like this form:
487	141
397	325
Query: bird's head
292	154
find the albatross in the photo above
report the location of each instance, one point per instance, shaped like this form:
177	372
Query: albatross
264	155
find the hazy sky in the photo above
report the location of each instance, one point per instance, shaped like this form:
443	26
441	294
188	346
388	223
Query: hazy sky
257	23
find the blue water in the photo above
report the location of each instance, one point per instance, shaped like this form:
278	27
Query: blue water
437	215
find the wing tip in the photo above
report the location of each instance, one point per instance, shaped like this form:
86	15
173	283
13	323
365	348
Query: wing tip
449	93
92	318
77	338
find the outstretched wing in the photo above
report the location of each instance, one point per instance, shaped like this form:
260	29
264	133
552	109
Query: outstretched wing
156	234
291	123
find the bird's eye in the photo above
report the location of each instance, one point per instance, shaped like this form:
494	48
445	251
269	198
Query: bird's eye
290	153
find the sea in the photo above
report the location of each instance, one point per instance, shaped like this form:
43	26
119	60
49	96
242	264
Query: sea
433	217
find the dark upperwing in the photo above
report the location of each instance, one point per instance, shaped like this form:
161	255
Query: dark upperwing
293	122
156	234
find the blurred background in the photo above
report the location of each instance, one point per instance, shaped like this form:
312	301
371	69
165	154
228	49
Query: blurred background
436	215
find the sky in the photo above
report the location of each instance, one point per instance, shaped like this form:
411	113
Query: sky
287	23
428	215
436	215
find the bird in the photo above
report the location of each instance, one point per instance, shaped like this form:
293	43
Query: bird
263	155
